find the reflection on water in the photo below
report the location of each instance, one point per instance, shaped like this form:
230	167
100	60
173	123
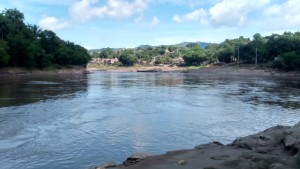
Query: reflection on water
85	120
27	89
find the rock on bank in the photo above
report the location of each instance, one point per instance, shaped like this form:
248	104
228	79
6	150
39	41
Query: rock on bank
275	148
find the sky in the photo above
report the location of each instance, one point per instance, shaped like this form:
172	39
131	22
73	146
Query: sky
129	23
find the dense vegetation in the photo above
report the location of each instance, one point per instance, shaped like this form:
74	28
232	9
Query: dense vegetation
29	46
278	51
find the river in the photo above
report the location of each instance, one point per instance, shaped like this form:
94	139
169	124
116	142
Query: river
80	121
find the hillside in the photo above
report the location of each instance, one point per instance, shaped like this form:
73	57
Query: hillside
183	44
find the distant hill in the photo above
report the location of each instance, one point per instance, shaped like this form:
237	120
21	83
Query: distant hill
144	47
99	50
183	44
201	44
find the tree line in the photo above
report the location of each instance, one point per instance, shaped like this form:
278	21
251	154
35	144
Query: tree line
25	45
277	51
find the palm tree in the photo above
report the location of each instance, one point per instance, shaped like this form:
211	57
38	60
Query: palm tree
36	31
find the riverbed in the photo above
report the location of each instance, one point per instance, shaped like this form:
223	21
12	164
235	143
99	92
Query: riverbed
80	121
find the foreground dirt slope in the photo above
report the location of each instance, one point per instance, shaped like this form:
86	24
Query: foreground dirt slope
274	148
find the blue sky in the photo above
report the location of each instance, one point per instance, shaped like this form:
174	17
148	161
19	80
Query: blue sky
130	23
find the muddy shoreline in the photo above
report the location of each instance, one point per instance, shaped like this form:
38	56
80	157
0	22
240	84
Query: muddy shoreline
275	148
210	70
139	69
207	71
60	71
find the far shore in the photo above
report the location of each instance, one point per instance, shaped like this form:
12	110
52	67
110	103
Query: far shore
209	70
165	68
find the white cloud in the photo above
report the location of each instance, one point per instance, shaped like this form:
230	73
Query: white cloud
52	23
82	11
197	15
58	3
176	2
224	13
177	19
188	3
123	9
234	12
287	13
155	21
85	10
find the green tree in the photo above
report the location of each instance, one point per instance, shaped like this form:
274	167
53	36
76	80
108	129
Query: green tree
291	60
30	46
226	54
163	60
15	20
248	51
4	56
80	55
212	51
21	50
14	15
195	58
103	54
3	26
106	53
161	50
49	41
172	48
70	54
127	59
192	45
35	30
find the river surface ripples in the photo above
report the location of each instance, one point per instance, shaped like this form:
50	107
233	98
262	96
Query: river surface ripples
81	121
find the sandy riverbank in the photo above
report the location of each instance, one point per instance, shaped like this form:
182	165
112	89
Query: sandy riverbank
210	70
275	148
243	71
139	69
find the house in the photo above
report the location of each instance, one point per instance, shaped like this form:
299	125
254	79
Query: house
104	61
